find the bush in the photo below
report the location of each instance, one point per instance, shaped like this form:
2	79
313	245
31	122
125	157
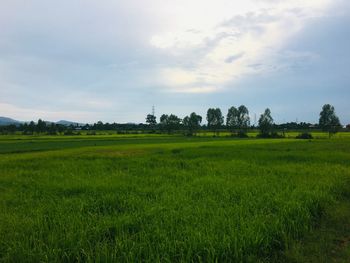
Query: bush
242	135
304	135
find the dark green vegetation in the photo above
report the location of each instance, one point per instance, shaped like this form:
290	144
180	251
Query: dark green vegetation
166	199
329	121
237	123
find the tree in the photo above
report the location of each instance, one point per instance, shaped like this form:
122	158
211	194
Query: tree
151	120
266	123
238	119
98	126
192	123
329	121
41	126
232	119
31	127
61	128
170	122
243	119
163	121
12	128
52	129
215	119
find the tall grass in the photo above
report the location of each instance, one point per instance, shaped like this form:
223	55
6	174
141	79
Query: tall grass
167	200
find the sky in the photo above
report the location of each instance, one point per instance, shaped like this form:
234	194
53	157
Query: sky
112	60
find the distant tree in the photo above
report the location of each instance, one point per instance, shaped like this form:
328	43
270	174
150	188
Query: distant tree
31	127
151	120
61	128
215	119
12	128
266	123
232	119
163	120
52	129
25	128
28	129
329	121
97	126
192	123
41	126
86	127
238	120
170	122
295	126
243	119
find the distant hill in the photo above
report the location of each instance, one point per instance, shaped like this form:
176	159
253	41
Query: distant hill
8	121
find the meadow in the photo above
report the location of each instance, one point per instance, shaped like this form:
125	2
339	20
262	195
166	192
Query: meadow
158	198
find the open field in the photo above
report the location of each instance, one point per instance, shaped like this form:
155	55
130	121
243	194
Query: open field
165	198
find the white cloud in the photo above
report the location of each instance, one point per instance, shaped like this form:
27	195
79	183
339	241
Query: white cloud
257	29
192	89
115	58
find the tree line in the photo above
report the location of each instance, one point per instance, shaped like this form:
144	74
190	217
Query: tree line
237	123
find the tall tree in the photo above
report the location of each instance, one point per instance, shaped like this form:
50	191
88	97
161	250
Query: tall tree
174	123
52	129
266	123
215	119
163	120
170	122
329	121
41	126
31	127
243	119
192	123
151	119
232	119
238	119
99	126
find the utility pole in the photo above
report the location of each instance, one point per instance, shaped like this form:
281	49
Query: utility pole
153	111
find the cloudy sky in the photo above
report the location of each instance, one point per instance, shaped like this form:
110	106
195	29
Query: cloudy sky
111	60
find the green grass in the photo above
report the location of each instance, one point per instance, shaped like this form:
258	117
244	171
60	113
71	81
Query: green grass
329	242
164	198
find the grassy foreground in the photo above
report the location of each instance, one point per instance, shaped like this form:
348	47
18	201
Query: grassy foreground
161	198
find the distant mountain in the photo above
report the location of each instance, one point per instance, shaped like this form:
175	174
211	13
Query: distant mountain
68	123
8	121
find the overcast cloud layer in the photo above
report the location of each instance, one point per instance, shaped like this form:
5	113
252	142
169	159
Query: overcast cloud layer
112	60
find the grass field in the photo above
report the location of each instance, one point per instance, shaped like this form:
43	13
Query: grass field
165	198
